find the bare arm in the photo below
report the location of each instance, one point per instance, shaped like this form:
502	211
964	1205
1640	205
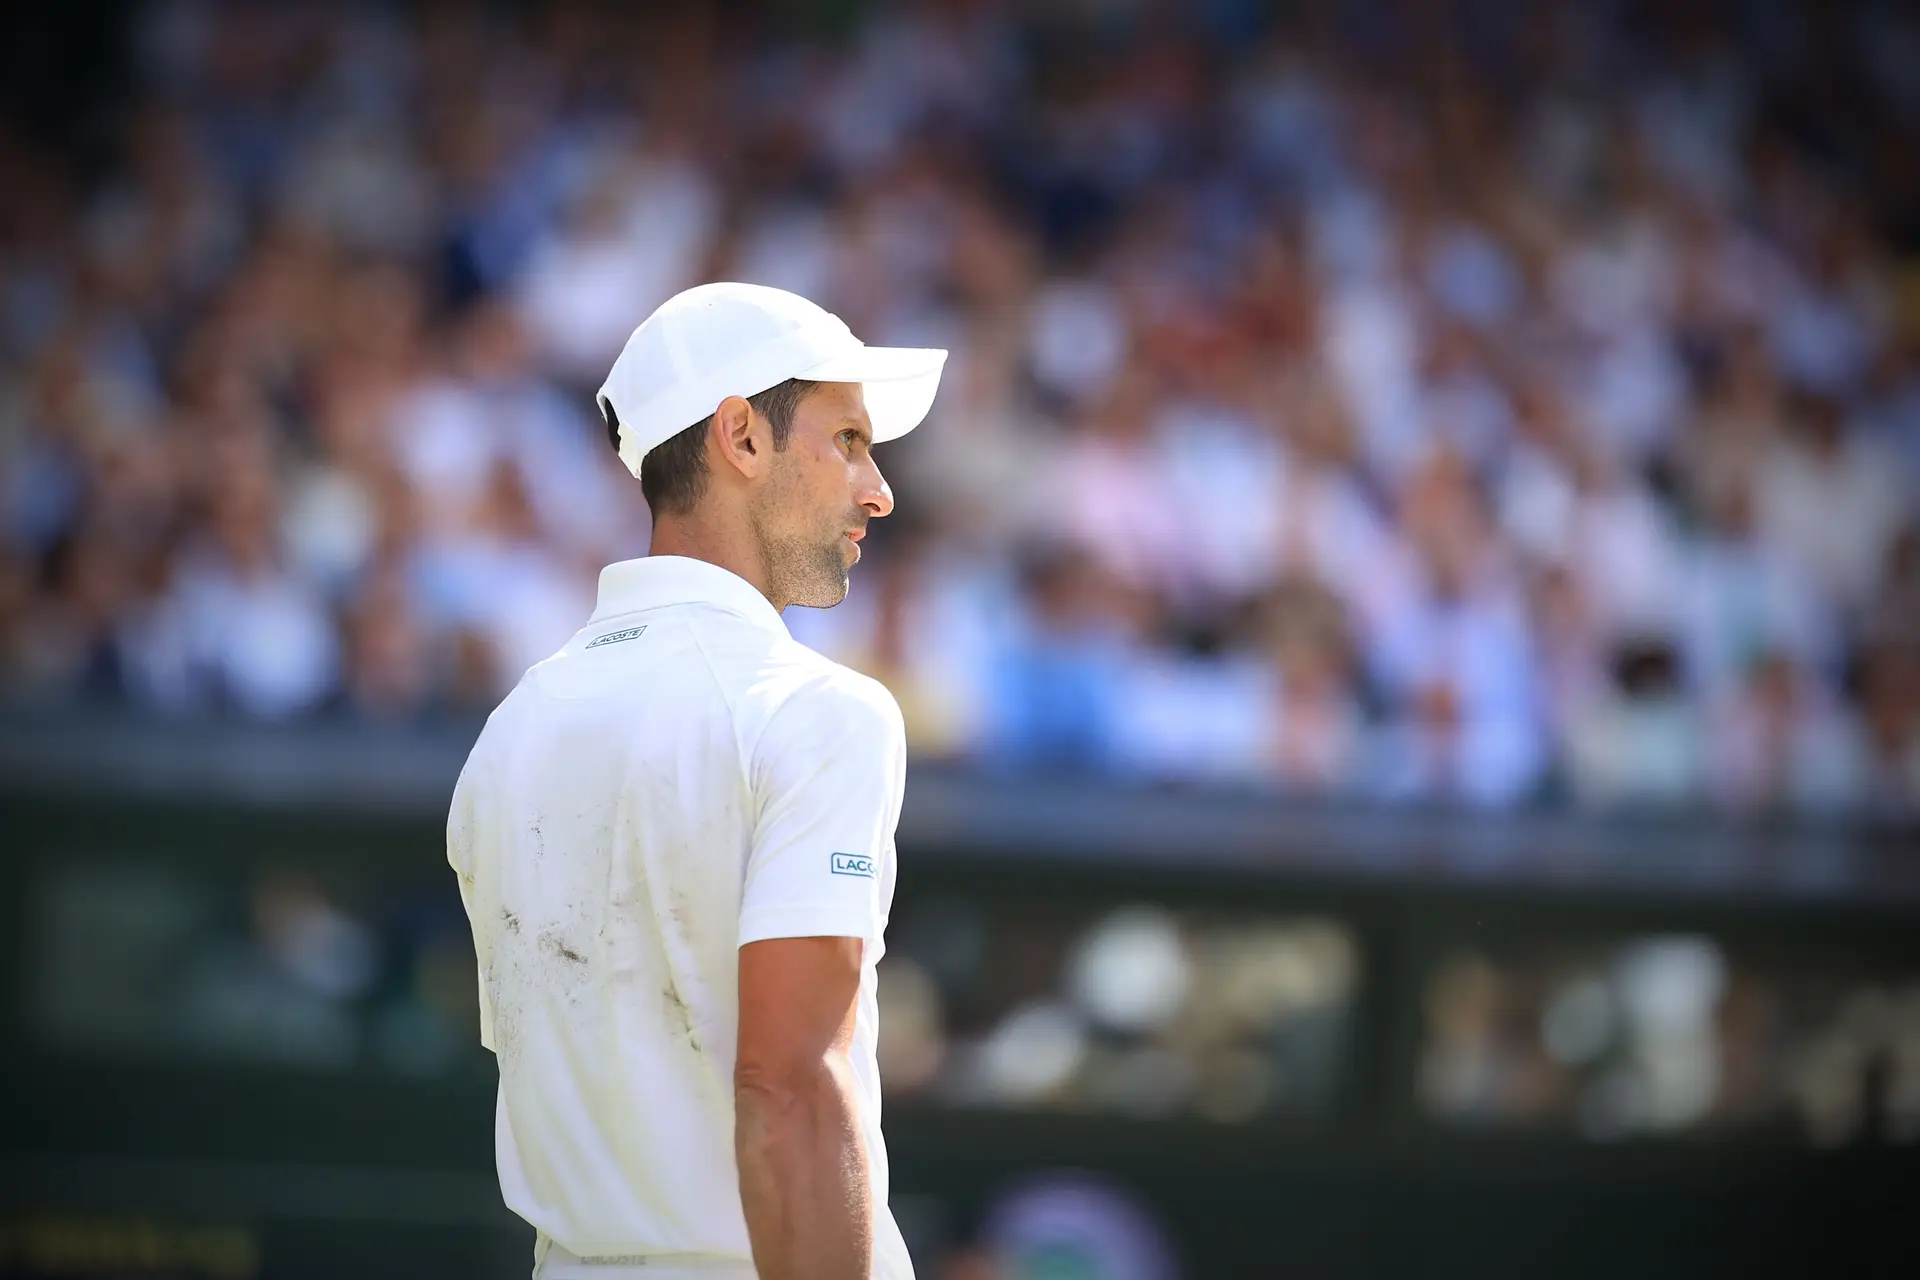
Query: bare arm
803	1165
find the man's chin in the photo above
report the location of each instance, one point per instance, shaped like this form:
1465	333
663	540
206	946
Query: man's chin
828	590
823	601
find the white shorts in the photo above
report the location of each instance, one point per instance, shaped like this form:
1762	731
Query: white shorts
551	1262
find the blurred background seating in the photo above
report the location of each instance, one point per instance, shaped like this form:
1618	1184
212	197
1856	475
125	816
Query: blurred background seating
1463	402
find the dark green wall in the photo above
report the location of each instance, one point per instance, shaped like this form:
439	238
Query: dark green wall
273	1171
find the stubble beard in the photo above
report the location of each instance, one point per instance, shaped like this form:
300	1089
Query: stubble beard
810	571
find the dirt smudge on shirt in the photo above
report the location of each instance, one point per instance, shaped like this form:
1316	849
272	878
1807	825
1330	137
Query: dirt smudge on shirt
679	1016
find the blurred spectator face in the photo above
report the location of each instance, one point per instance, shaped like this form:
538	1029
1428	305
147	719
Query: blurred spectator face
1316	724
1776	692
1778	743
1446	521
390	671
1313	666
242	525
494	346
1319	427
63	396
1896	616
133	489
96	582
505	511
1732	510
377	315
1064	594
474	675
1560	612
347	420
1891	691
1820	427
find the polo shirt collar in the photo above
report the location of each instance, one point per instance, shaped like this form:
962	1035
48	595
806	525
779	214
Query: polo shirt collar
651	581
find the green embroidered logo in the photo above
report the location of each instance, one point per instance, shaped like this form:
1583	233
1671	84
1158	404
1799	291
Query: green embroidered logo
849	864
615	637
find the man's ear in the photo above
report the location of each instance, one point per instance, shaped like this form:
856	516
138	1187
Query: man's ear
741	437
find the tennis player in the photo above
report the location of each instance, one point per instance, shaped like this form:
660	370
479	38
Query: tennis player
674	838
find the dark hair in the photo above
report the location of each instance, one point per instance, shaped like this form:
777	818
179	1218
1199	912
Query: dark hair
673	474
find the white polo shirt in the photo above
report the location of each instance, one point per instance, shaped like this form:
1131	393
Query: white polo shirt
681	779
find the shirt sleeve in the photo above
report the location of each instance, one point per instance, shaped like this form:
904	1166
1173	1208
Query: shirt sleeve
828	774
486	1001
460	858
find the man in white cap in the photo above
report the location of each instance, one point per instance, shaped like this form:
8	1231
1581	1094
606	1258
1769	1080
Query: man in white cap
674	838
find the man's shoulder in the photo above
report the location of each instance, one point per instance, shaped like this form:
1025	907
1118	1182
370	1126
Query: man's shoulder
828	685
801	683
494	729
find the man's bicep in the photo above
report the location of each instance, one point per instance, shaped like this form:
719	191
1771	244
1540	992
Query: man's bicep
798	997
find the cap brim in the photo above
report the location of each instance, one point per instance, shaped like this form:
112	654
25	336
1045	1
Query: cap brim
898	383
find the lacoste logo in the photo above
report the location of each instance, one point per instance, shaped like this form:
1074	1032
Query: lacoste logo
615	637
852	864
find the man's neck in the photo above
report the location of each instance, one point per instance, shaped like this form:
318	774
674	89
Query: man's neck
697	540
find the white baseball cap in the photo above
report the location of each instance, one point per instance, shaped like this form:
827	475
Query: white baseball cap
718	340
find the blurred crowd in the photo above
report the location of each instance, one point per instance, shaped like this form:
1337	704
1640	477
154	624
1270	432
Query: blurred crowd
1477	402
1668	1033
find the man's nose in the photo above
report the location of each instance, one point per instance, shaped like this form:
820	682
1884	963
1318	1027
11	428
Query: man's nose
875	497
